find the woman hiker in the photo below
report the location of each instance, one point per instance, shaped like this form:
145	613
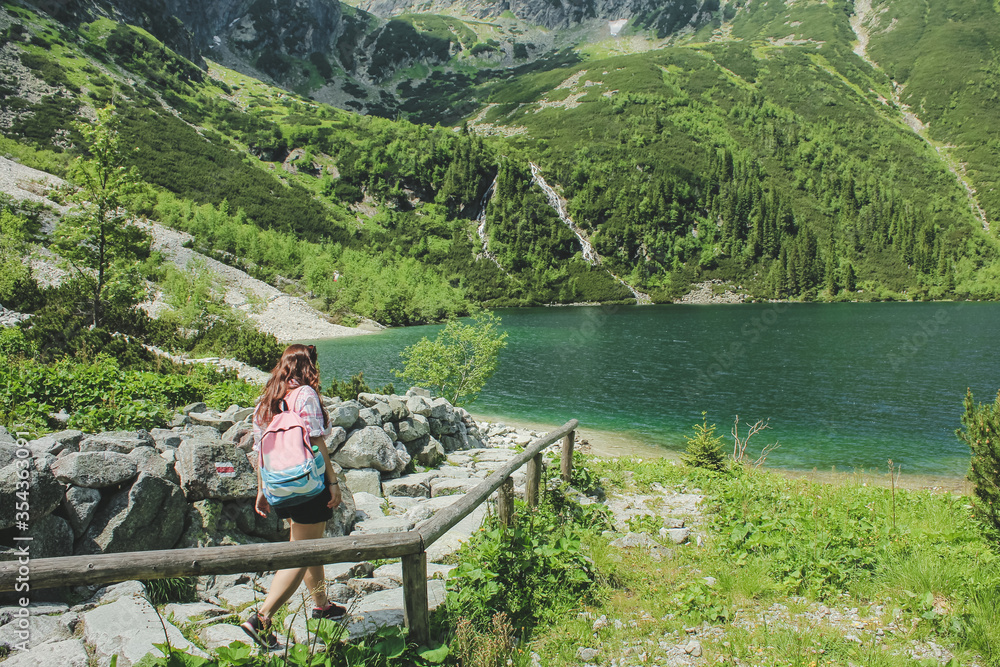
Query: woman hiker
295	382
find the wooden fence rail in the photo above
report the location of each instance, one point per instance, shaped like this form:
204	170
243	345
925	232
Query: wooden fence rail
410	546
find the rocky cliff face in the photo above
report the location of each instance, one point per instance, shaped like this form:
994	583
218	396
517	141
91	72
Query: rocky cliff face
552	14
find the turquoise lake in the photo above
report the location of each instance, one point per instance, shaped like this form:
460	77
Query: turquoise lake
844	385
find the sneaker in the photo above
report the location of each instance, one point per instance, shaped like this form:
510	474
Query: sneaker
332	611
260	630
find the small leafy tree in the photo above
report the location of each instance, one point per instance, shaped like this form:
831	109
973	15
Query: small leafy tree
704	450
101	236
981	432
456	364
13	271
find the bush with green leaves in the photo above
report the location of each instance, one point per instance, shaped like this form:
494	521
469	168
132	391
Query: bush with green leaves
103	395
349	389
704	450
981	432
459	361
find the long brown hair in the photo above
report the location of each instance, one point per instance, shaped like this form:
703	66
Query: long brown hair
298	362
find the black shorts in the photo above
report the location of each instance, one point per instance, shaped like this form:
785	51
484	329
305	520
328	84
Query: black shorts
313	510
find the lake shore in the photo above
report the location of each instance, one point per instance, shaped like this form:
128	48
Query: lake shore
615	444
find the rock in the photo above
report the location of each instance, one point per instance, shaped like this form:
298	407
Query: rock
189	611
215	470
56	443
369	400
122	442
8	453
442	409
679	535
194	407
66	653
494	455
418	405
340	593
432	454
179	421
385	413
95	469
239	596
367	506
102	629
418	391
390	430
368	417
236	432
150	515
200	432
460	459
270	528
632	540
385	608
587	654
452	541
345	414
440	427
416	426
414	486
399	408
165	439
443	486
236	413
368	586
394	571
6	437
693	648
212	419
364	480
115	592
384	524
403	458
368	447
148	460
79	505
44	492
222	634
342	572
337	437
39	630
212	523
344	515
51	537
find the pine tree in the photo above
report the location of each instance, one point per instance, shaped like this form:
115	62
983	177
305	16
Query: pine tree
981	432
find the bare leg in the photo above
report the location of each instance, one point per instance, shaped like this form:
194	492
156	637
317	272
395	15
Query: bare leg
287	581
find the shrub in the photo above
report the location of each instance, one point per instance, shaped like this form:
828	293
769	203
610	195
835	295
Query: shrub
349	389
704	450
981	432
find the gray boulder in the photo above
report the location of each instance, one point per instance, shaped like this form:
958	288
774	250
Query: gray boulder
44	492
149	460
368	447
441	427
95	469
117	441
150	515
403	458
365	480
215	470
442	409
79	505
237	432
390	430
368	417
270	528
412	486
432	455
165	439
8	453
418	391
398	407
194	407
103	629
344	414
369	400
42	629
6	437
213	419
418	405
344	515
337	437
51	537
57	443
65	653
178	421
201	432
416	426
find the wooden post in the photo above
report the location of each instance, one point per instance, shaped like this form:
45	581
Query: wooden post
505	502
534	479
567	456
415	612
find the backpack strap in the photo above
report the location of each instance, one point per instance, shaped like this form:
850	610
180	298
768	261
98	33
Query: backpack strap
287	404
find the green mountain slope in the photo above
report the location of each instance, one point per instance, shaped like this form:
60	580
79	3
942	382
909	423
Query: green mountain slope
759	149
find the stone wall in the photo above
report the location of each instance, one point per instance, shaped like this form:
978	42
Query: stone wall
194	484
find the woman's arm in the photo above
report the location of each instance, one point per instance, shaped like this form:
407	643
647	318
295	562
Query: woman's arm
331	477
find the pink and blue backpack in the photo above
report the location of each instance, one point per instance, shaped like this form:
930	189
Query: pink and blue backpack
290	471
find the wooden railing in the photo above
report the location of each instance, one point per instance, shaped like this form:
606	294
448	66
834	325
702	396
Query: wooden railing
410	546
